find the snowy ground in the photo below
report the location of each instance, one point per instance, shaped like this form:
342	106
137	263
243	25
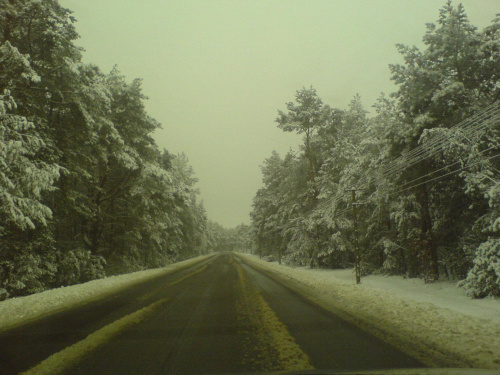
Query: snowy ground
444	294
422	319
18	310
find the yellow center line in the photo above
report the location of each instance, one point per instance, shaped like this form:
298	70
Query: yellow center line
146	296
62	361
201	269
270	331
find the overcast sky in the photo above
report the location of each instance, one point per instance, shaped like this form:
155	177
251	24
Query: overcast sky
216	72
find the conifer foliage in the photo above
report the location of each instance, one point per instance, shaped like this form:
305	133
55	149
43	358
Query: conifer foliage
84	190
424	169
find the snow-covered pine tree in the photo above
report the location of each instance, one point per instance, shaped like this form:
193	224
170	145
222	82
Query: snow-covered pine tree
483	280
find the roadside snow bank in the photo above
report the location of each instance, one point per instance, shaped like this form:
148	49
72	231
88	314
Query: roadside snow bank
21	309
439	326
444	294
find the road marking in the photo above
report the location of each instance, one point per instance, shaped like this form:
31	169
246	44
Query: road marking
272	334
65	359
146	296
201	269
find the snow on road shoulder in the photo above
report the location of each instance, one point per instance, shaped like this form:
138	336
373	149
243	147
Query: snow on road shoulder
18	310
419	320
444	293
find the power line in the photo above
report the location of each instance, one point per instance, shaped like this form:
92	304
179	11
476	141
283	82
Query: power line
425	153
427	150
445	167
468	129
482	116
447	174
343	211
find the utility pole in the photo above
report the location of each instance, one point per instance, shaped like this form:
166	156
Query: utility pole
357	257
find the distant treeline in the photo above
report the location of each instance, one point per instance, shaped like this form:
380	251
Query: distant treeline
426	184
84	190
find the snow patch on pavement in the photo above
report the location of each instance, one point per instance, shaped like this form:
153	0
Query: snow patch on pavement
272	335
436	323
18	310
61	362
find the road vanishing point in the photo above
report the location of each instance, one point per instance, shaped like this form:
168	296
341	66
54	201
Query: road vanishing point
220	315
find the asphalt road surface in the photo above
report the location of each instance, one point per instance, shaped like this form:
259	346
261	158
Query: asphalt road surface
218	316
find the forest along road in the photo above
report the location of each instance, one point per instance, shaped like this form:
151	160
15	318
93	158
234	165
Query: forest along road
220	315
